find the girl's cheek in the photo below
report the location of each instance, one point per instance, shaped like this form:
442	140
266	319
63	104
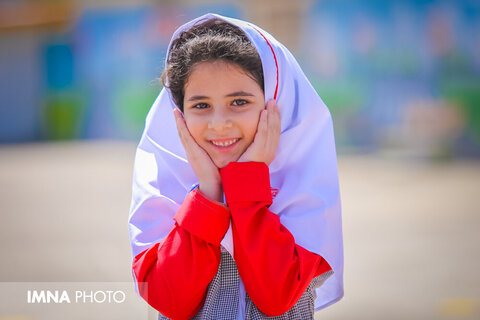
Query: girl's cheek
252	131
256	122
190	122
192	127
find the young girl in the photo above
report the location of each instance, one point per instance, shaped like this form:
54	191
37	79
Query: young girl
236	207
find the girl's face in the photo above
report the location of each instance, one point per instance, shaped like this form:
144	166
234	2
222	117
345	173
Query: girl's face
222	105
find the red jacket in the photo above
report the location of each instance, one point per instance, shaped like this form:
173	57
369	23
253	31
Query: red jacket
274	270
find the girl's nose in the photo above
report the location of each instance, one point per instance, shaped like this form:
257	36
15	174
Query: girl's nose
219	121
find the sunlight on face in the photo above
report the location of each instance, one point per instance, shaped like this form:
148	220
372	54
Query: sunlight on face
222	106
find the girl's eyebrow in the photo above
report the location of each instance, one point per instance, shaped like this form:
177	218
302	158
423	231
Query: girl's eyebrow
233	94
195	98
239	93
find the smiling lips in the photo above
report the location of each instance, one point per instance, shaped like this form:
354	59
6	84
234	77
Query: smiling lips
224	142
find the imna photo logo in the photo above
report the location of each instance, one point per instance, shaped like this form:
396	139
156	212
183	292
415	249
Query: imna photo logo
79	296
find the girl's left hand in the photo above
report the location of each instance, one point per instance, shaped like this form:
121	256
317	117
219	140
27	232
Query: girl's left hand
265	143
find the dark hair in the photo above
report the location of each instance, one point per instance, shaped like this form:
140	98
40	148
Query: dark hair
209	41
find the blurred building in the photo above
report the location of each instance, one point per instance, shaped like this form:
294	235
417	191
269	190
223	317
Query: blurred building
397	75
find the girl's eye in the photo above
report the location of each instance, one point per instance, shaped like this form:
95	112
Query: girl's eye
201	105
239	102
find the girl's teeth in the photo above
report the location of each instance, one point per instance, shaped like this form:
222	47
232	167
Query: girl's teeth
225	143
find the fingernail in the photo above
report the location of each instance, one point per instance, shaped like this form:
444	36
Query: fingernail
177	113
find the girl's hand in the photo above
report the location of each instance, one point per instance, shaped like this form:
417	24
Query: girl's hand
210	183
265	143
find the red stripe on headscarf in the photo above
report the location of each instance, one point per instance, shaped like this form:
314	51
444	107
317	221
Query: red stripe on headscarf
274	57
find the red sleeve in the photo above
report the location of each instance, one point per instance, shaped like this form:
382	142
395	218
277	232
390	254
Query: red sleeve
173	275
275	270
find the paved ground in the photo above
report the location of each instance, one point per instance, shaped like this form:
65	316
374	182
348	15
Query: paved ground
411	233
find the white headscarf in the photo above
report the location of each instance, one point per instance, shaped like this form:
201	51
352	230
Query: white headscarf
304	170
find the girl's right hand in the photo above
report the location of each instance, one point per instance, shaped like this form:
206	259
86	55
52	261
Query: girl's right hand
210	183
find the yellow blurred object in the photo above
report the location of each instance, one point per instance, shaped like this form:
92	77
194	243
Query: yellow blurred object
459	308
35	14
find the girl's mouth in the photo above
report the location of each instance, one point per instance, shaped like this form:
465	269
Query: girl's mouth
224	144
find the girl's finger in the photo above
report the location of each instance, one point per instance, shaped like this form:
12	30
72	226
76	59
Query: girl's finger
271	103
274	128
262	129
273	111
182	129
178	123
189	144
273	120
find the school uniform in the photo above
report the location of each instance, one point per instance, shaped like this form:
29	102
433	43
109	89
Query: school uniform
254	256
276	274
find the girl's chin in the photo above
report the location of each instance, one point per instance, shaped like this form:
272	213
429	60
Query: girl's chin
221	163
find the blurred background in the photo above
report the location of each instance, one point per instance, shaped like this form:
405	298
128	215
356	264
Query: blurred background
402	81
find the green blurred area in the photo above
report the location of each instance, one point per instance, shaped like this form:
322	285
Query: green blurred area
132	103
64	115
465	93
